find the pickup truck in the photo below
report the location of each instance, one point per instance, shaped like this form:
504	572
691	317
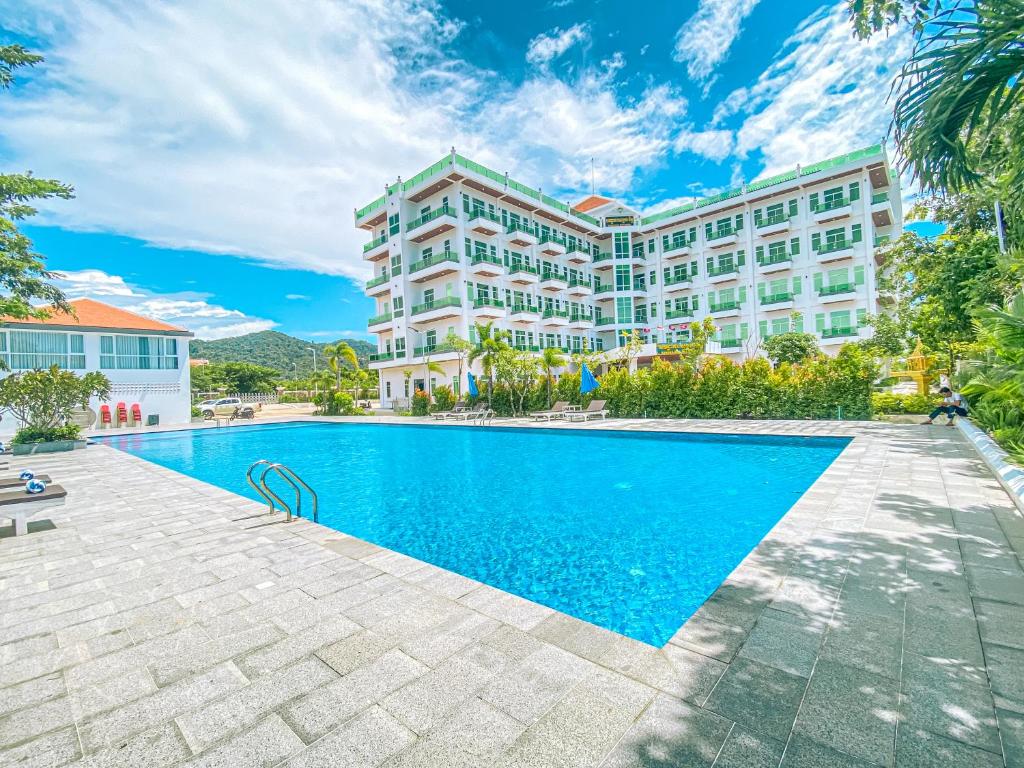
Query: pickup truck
228	406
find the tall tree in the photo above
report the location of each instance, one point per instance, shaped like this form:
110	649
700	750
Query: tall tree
491	341
338	356
23	274
550	359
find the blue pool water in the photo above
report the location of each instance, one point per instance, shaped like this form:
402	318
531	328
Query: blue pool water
629	531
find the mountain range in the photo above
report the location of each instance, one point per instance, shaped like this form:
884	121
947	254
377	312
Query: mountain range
273	349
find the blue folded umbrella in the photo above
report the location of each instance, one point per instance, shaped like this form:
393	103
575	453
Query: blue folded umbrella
26	474
471	385
587	381
35	486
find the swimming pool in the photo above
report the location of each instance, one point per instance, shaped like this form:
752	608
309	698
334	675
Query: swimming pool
630	531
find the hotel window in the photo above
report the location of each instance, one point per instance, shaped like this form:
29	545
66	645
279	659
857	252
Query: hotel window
27	350
136	353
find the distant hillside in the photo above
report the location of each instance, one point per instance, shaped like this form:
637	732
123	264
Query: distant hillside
280	351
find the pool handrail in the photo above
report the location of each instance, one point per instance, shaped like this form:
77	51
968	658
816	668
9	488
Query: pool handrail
252	483
293	475
298	493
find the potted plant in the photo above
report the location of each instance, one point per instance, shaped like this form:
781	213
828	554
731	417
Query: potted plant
43	402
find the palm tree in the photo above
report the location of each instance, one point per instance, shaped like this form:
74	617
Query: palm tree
550	359
491	341
337	354
431	367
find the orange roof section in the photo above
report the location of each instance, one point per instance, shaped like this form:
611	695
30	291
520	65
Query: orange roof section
95	314
592	202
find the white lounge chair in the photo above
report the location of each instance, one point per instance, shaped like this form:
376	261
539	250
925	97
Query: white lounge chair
557	411
592	411
468	414
19	506
457	408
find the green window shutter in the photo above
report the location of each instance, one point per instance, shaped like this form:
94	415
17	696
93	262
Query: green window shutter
744	331
793	209
739	221
858	275
814	201
796	286
819	322
854	191
469	248
693	267
707	229
817	281
757	217
798	323
794	246
855	230
695	303
469	291
816	241
743	294
759	252
862	318
709	262
664	242
762	328
760	290
741	258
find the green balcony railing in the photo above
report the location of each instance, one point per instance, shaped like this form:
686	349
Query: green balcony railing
432	259
580	317
444	210
578	248
396	269
584	282
527	308
525	268
832	333
433	349
374	243
881	240
721	232
724	306
552	238
482	302
831	204
776	298
526	347
677	246
376	319
554	276
485	258
778	258
880	197
639	285
400	312
379	357
770	221
677	279
379	280
525	228
835	246
604	321
479	214
602	257
835	290
378	203
675	314
549	313
731	343
603	288
723	269
631	255
447	301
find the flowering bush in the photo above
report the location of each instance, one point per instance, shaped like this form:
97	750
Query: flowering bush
420	403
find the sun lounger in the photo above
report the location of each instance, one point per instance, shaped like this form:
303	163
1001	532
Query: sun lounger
557	412
18	506
592	411
470	415
441	415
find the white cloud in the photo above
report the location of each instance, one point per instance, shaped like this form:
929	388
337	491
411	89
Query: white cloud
550	45
713	144
296	297
187	309
826	94
704	40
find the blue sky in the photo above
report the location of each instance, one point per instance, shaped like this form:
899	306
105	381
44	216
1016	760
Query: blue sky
218	152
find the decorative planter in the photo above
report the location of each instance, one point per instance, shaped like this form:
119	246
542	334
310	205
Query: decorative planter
79	444
24	449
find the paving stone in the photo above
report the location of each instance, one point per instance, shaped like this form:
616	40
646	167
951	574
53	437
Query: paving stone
110	694
804	753
1006	673
133	657
677	671
29	646
448	637
709	638
916	748
473	736
576	636
294	647
745	749
668	734
763	699
316	713
1004	586
510	609
365	741
1011	731
162	746
1000	623
242	708
45	663
865	641
850	710
52	750
785	641
165	704
224	648
263	746
32	692
527	689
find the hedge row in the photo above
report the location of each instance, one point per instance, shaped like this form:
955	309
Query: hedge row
887	402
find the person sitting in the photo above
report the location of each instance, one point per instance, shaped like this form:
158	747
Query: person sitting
953	405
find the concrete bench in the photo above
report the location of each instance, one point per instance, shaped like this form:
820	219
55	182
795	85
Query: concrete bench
18	506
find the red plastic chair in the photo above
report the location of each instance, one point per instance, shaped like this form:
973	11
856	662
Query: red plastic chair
136	413
104	414
122	414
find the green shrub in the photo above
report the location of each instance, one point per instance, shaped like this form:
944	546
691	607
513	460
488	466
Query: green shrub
47	434
330	403
420	403
889	402
444	398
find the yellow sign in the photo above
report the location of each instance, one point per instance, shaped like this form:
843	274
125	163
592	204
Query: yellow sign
618	221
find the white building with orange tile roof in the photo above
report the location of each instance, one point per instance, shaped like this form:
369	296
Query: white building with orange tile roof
146	360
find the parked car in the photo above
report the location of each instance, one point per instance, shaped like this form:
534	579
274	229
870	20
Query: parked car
229	406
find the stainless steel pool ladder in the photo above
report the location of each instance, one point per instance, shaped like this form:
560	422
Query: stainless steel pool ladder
273	500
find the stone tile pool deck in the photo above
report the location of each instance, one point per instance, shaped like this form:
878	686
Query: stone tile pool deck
162	621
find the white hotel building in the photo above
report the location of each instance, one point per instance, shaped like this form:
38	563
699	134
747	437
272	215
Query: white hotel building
460	244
